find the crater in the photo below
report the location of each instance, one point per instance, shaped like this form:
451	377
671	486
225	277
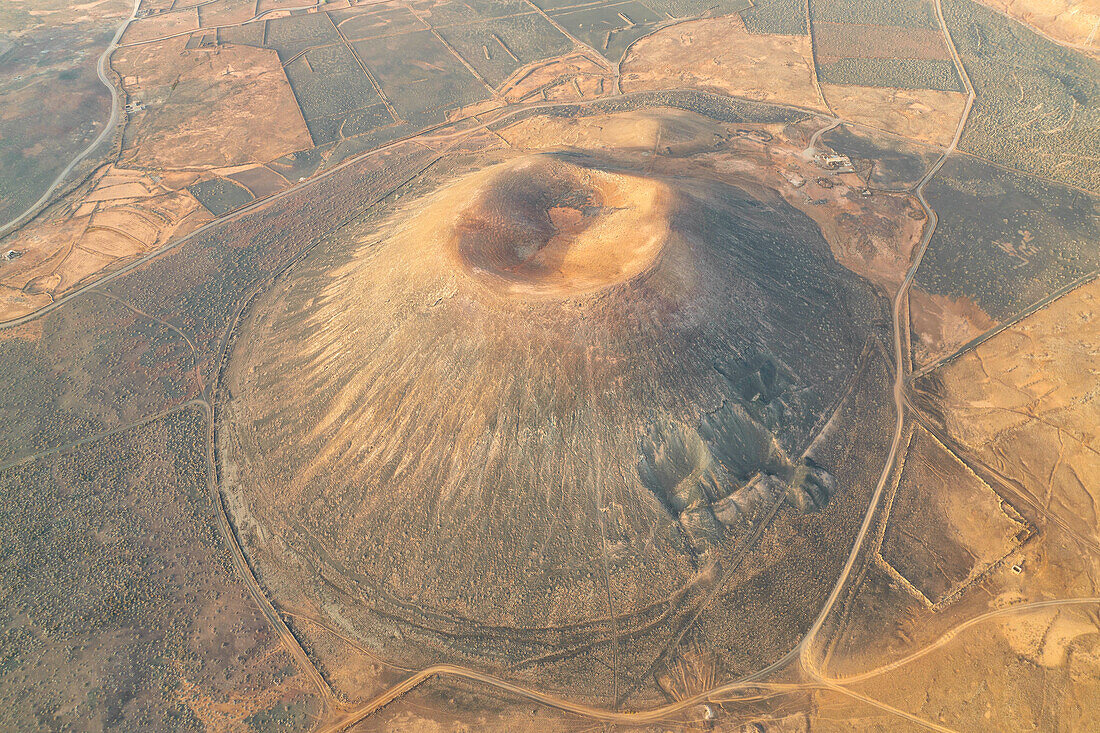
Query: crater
545	226
535	385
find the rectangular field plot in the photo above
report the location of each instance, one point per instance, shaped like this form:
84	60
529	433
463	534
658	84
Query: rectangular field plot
359	23
907	13
250	34
550	6
329	84
220	195
420	76
840	40
781	17
895	73
609	29
471	11
260	181
292	35
693	8
348	124
499	47
947	527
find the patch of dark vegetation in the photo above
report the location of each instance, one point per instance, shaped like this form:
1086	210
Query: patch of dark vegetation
781	17
609	29
715	106
220	195
94	366
120	603
1038	104
1030	239
895	73
301	164
500	46
424	90
905	13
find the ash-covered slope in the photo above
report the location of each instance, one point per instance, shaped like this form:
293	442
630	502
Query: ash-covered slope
549	384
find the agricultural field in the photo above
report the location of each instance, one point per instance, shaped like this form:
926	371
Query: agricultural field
358	23
210	108
221	195
609	29
423	91
225	12
841	40
721	56
251	34
331	88
497	48
260	181
293	34
778	17
888	67
902	13
892	73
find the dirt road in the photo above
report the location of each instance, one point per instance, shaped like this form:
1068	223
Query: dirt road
102	67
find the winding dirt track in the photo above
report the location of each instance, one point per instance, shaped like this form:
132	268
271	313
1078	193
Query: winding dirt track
109	129
901	359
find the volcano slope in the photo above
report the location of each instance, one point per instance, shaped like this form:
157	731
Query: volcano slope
535	421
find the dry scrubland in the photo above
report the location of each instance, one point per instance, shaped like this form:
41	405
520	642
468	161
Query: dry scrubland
926	115
208	109
53	103
121	607
720	55
1074	22
1014	421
